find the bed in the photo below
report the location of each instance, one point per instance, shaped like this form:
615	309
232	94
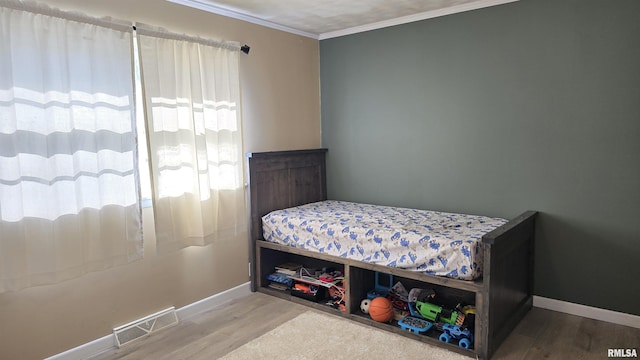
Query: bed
434	242
489	261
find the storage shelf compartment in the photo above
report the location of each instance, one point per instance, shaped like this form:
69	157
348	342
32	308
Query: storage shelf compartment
307	291
362	281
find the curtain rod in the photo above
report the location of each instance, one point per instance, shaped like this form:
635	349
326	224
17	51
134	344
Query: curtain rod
149	30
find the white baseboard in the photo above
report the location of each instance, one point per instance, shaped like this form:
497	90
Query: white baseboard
87	350
203	305
108	343
587	311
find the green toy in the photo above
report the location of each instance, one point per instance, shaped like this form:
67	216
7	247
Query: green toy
436	313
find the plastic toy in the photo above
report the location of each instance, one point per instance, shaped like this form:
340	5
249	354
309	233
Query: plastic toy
399	314
364	305
415	324
451	332
399	297
307	289
468	309
454	324
280	278
381	309
330	276
427	310
336	291
417	294
448	317
469	320
434	312
336	296
380	290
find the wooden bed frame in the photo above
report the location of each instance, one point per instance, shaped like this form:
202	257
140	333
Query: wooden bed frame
502	296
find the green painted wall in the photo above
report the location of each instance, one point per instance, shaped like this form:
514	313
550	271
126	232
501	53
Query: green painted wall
529	105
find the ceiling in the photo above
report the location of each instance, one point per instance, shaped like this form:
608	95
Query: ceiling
323	19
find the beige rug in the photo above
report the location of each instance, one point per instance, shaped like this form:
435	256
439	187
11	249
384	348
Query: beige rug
319	336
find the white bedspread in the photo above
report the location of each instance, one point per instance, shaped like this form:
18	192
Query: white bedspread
438	243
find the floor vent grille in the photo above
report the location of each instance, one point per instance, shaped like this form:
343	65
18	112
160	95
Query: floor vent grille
138	329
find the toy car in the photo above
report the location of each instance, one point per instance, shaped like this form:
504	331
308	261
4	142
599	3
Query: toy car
455	332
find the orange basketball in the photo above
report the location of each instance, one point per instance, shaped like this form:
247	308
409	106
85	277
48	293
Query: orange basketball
381	309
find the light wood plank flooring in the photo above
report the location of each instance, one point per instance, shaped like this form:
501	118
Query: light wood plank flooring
543	334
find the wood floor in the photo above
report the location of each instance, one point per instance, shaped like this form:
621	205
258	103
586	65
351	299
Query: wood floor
543	334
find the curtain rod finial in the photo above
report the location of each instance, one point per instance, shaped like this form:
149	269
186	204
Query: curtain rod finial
245	48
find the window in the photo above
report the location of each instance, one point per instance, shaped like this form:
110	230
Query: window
68	180
73	158
192	90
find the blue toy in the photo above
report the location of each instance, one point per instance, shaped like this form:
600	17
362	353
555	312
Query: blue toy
280	278
380	290
455	332
415	324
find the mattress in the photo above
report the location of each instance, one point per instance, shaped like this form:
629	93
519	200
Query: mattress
436	243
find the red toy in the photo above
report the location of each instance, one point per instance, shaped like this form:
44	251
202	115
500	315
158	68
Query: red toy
381	309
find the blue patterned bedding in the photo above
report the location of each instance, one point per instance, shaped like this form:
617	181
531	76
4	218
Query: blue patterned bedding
437	243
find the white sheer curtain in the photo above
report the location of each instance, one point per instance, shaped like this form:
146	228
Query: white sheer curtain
69	199
194	130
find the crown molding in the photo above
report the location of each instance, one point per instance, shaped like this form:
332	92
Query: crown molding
415	17
209	6
219	10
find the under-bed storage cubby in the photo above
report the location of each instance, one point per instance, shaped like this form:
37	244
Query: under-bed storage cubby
309	280
446	304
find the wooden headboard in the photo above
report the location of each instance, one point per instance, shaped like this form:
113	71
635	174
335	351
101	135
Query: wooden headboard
282	179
